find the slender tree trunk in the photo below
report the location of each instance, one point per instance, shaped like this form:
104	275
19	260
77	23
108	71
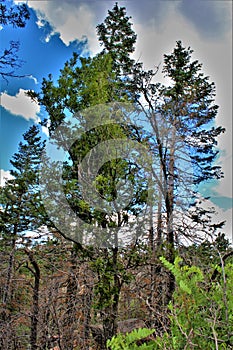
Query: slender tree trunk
71	306
152	267
7	332
35	298
7	294
110	313
87	302
7	290
170	285
46	318
159	212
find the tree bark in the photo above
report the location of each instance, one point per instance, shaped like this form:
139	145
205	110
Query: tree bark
35	304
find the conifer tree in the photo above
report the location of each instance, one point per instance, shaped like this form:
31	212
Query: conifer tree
183	137
118	38
21	211
22	192
84	83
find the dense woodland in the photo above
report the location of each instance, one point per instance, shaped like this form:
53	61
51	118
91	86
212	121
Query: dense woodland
168	287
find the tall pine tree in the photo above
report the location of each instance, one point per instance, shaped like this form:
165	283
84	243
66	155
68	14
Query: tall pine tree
181	118
118	38
21	208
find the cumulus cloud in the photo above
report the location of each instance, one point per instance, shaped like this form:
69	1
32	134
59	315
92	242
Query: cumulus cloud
4	176
20	105
73	20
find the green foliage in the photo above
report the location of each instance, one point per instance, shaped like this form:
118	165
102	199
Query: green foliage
131	341
111	275
189	106
201	310
206	253
20	198
83	83
118	39
201	313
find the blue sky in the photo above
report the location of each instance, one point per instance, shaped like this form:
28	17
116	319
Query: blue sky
40	58
57	28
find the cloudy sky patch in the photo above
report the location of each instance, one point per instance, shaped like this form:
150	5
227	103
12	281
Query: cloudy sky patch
210	18
20	105
73	20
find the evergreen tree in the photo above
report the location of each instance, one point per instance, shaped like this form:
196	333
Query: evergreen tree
183	137
79	88
118	39
21	208
191	110
85	83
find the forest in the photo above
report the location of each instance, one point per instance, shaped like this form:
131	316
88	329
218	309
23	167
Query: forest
105	239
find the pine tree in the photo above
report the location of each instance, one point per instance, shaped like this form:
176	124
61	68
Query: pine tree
191	109
21	210
118	39
23	207
183	136
86	83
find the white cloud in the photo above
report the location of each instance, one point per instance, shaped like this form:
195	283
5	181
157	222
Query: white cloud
4	176
71	19
40	20
20	105
222	215
45	130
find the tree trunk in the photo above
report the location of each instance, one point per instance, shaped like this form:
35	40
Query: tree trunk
7	290
71	305
35	298
110	313
170	279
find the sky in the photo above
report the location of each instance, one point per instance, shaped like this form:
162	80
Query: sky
57	28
